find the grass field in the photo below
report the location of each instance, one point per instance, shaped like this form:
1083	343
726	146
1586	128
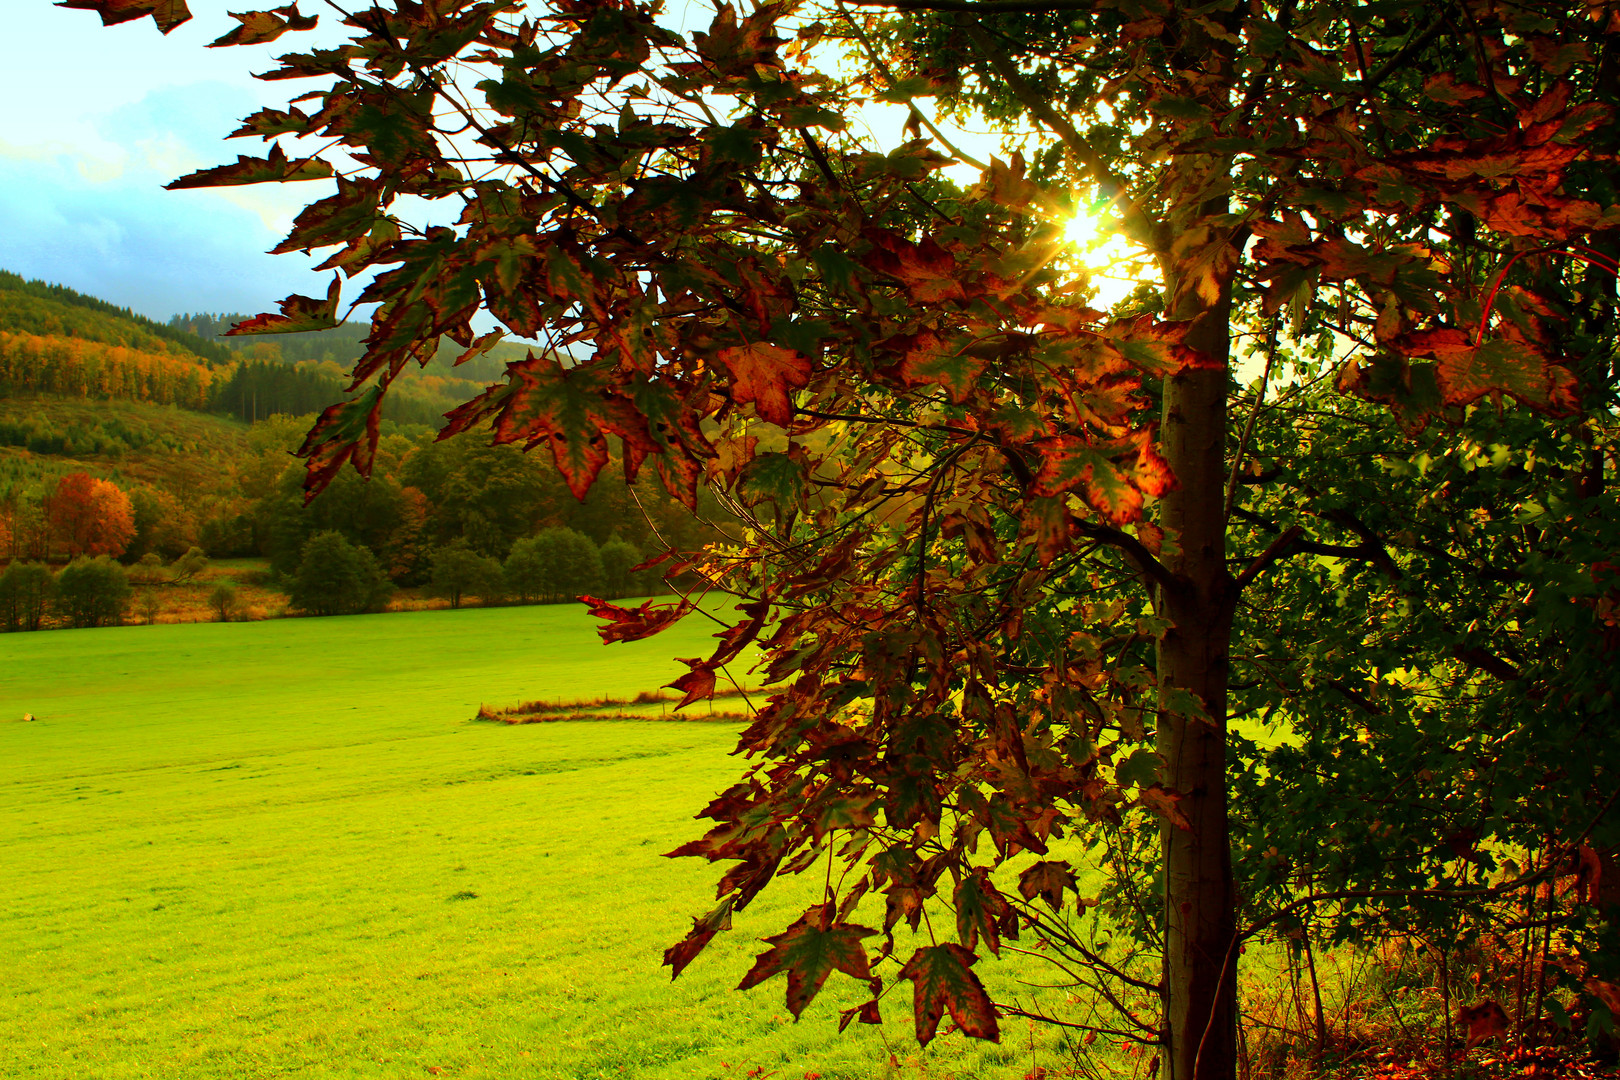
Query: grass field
283	848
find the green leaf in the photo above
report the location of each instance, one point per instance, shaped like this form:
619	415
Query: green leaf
809	951
1140	769
773	477
261	27
944	981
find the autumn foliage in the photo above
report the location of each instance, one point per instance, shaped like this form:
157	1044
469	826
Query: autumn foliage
1016	567
91	516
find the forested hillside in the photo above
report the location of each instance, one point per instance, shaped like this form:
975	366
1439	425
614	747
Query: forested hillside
196	431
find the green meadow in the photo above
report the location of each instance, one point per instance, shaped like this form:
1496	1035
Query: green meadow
285	848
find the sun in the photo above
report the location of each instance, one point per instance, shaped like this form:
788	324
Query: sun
1114	263
1081	231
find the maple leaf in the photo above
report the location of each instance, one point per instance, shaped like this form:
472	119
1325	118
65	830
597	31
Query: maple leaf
168	14
696	685
928	272
979	908
344	432
943	980
542	402
809	951
1163	801
633	624
767	375
683	952
1046	879
259	27
1466	372
1069	462
298	314
926	358
275	168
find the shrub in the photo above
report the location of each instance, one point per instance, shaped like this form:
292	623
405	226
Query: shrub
25	593
223	601
148	605
93	592
459	571
335	577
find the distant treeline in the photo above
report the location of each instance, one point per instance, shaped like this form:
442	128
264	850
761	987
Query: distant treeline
79	368
343	345
259	389
48	319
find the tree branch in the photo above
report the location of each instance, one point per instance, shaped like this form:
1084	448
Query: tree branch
1134	550
1109	185
1286	543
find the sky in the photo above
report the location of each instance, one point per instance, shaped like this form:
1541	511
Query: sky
99	119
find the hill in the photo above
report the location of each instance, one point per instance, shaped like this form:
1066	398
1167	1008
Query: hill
38	307
54	340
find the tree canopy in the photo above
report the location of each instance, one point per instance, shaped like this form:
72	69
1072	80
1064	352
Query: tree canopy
1024	570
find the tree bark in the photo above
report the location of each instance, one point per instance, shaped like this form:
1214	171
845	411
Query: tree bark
1200	962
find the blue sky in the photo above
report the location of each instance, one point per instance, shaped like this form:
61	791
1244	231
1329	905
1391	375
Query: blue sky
98	119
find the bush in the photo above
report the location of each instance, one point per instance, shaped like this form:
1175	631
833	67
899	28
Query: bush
335	577
93	592
148	569
25	593
554	564
459	571
223	601
148	605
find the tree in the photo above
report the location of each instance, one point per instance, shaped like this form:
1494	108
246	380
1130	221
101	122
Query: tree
148	605
91	516
335	577
223	600
619	560
553	564
93	592
459	571
186	567
1001	545
25	595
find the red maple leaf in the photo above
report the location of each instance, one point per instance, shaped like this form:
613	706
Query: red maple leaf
767	375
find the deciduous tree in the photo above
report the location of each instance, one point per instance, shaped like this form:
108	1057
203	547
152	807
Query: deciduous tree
1003	546
93	592
335	577
91	516
26	590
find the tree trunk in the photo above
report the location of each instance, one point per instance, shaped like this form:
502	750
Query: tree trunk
1200	962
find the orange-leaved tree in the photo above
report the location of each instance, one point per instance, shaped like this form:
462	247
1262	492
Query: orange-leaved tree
998	545
90	516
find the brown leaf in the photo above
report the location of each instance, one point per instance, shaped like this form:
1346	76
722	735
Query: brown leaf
767	375
1483	1021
